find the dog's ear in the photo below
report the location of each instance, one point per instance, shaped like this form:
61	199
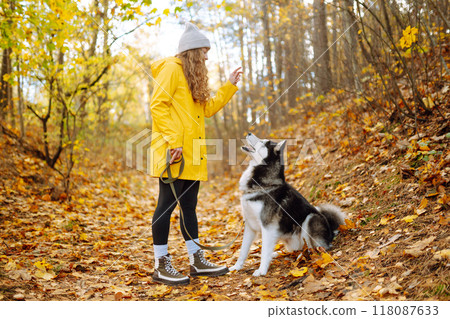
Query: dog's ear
280	147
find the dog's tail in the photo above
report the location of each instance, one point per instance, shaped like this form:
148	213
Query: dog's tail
319	229
334	215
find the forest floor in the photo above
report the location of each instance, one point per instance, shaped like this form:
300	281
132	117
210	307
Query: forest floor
98	245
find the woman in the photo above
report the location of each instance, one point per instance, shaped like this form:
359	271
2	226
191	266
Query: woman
180	101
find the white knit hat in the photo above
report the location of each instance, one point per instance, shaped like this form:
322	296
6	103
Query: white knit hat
192	38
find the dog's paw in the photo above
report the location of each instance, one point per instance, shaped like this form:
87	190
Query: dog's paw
258	273
235	267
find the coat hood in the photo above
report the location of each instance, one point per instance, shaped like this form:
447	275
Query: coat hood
157	66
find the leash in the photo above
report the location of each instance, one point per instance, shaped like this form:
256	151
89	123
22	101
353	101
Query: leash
170	180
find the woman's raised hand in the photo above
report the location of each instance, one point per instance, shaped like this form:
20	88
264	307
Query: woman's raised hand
235	76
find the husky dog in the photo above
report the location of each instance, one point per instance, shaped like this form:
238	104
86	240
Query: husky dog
272	207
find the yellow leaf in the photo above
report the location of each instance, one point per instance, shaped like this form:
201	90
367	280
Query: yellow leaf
423	203
159	291
410	218
386	218
409	37
298	272
325	260
83	237
219	297
42	265
166	12
158	21
340	188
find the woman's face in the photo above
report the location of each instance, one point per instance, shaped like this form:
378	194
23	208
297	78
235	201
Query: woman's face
205	53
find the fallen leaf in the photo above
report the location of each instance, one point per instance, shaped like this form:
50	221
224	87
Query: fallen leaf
118	296
42	265
272	294
298	272
417	249
159	291
391	240
357	294
18	297
421	209
387	250
324	260
11	265
391	289
348	225
315	286
373	254
46	275
384	220
445	199
347	202
444	220
442	255
217	297
340	188
409	218
20	274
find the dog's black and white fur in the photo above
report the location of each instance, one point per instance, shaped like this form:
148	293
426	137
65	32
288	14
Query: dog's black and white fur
272	207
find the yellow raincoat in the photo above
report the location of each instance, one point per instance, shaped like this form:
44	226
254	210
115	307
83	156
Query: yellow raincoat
178	121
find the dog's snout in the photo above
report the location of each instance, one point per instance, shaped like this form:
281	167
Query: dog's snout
249	134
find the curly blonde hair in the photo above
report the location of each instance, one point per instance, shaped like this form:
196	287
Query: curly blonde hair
194	69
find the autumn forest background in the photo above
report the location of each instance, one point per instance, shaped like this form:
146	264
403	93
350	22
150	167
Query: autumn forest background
361	87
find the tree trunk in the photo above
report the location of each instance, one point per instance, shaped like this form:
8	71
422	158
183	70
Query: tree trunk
20	104
386	18
6	89
322	74
6	100
270	91
351	65
301	60
334	53
242	109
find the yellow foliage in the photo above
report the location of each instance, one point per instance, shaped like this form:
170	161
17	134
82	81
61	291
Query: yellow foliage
409	218
298	272
409	37
324	260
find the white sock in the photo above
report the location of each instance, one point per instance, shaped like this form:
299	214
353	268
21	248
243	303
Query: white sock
160	250
192	248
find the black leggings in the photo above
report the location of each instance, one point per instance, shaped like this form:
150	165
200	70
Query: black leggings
187	192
